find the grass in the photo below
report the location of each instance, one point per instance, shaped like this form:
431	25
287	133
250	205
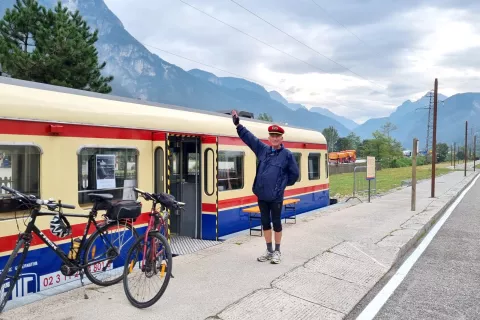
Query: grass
387	179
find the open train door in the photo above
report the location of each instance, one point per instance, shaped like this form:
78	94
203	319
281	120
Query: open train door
209	152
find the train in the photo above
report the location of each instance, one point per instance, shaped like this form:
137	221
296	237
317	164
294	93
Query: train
344	156
65	143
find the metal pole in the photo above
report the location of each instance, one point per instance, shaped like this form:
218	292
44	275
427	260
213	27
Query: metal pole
465	152
454	154
414	173
474	150
451	155
434	138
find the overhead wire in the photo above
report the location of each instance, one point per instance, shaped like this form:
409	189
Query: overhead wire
333	18
226	71
358	75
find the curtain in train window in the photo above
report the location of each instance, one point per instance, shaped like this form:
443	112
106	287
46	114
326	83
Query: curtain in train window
19	170
298	159
230	170
314	166
107	170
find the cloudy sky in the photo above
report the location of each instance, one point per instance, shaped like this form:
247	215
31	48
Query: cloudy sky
358	58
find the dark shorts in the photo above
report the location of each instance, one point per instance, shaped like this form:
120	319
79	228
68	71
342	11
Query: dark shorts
271	213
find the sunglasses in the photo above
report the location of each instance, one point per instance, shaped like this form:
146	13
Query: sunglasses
275	135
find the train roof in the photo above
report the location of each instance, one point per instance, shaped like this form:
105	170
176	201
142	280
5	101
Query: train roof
34	101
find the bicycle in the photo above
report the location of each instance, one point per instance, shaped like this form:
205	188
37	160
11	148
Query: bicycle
150	262
91	264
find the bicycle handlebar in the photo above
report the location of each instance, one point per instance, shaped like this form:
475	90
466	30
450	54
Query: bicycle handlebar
157	197
51	204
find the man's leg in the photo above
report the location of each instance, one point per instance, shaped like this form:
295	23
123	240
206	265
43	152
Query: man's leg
277	227
267	229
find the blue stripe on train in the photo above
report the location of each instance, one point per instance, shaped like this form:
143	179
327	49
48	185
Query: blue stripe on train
44	261
234	220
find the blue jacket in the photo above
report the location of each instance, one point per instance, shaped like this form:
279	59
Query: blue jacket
276	169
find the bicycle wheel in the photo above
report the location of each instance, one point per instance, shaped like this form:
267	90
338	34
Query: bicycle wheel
8	277
156	266
104	243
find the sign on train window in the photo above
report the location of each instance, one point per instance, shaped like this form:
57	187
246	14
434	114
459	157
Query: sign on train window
298	159
230	170
107	170
314	166
20	170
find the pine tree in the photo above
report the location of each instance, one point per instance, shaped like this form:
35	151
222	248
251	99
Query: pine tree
17	31
64	52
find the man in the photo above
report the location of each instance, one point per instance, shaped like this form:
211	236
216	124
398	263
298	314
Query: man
276	170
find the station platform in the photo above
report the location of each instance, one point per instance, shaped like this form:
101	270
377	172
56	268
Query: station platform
331	259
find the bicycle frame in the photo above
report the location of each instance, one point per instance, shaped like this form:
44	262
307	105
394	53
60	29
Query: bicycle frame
31	227
151	225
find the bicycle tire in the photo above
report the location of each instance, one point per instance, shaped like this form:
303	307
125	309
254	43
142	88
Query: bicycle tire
91	241
7	266
152	301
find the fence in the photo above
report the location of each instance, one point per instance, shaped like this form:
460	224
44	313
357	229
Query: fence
348	167
360	183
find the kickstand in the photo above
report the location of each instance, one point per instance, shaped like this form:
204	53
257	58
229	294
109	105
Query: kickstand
172	275
83	284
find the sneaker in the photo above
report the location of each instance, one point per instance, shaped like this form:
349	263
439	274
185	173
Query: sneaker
266	256
276	257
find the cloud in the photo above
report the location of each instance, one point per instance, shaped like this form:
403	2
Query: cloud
383	52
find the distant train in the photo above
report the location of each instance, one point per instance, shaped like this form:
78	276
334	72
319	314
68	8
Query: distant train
65	143
345	156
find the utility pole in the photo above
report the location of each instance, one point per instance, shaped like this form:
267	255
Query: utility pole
429	124
474	150
465	153
454	154
451	155
434	137
414	173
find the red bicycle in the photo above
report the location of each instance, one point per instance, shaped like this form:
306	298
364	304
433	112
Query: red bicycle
150	257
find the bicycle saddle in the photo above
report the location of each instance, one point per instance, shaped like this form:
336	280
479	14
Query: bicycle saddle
97	196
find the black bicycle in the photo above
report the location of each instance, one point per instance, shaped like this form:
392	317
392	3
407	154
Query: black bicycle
102	251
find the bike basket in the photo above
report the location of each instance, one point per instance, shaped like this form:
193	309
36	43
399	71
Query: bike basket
127	209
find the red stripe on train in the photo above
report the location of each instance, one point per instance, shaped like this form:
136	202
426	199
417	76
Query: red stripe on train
8	243
76	130
234	141
227	203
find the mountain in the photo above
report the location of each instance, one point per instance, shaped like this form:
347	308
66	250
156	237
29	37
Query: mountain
143	75
350	124
411	122
278	97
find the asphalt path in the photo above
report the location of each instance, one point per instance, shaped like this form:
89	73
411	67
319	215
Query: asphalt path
444	283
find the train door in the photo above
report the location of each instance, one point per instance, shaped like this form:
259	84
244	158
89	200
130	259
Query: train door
184	184
210	188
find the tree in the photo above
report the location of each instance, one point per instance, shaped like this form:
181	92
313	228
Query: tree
343	144
382	147
387	128
354	141
51	46
331	135
442	152
265	117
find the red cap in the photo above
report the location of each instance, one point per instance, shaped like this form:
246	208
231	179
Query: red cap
276	129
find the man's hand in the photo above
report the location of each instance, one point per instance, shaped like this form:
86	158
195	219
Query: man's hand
235	118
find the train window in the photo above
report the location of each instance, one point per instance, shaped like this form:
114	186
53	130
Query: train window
20	170
314	166
298	159
107	170
159	170
326	165
230	170
209	172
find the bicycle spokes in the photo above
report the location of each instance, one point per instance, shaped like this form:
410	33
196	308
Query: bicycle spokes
149	270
